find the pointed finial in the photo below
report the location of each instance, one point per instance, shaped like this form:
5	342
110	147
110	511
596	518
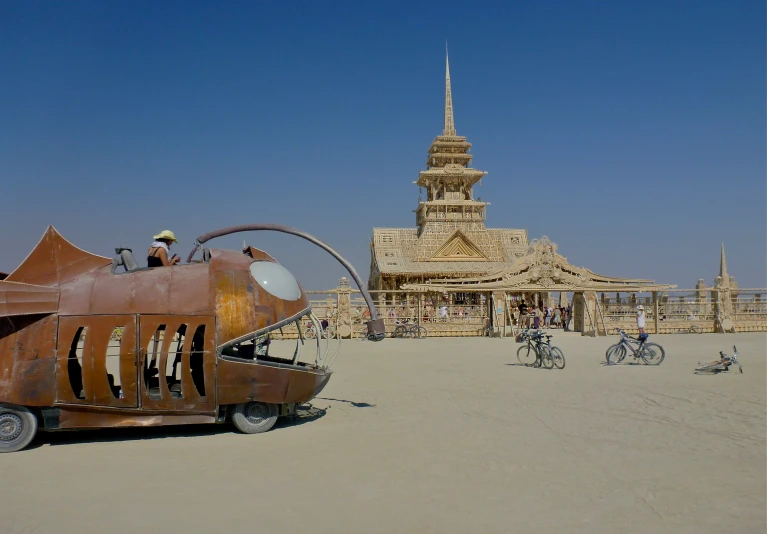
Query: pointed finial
723	265
449	120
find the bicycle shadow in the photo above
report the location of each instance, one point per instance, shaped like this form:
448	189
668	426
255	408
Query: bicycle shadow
529	366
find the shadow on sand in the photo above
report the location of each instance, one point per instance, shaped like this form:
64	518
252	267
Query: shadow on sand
305	413
355	404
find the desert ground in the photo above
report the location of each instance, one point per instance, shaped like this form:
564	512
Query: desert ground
435	435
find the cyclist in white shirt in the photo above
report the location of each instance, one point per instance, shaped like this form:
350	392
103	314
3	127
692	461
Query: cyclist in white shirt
640	319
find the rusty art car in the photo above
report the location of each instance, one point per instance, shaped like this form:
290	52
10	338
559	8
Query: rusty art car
88	341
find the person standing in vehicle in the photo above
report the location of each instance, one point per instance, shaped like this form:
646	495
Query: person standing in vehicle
159	250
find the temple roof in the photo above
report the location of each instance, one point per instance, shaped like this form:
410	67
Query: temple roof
541	268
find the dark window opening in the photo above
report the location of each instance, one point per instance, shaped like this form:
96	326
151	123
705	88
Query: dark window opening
172	365
196	359
113	362
75	362
151	372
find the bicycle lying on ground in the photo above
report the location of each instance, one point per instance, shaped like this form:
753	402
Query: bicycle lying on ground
538	352
721	365
406	329
649	353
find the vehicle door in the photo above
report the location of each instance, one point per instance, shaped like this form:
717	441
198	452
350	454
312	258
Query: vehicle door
97	361
177	362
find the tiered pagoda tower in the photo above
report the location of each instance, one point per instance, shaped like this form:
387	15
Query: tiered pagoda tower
449	180
450	238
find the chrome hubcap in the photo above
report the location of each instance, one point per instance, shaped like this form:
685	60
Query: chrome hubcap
10	426
256	412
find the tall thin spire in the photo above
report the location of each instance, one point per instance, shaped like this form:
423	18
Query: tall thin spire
723	265
449	120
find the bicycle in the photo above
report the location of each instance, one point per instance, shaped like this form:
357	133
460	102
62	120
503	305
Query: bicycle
311	332
649	353
406	329
721	365
692	329
557	356
534	343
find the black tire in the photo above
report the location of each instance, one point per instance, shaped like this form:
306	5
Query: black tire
310	333
615	354
547	362
558	357
399	331
18	427
254	417
526	355
652	354
420	332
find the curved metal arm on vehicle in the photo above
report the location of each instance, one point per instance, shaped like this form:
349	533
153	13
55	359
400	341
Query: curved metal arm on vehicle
293	231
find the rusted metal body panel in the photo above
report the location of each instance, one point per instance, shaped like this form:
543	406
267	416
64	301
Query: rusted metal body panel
196	389
242	306
26	299
81	417
181	289
83	375
254	381
27	365
55	261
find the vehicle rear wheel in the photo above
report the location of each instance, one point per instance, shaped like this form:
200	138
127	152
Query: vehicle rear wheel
254	417
558	357
420	332
653	354
18	427
309	333
399	331
526	355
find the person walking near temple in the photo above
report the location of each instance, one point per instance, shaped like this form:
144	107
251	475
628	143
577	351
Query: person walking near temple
524	319
557	317
547	318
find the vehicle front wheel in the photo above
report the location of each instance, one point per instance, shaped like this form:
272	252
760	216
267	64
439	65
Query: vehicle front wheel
18	427
254	417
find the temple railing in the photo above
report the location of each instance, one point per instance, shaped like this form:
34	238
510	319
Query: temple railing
485	313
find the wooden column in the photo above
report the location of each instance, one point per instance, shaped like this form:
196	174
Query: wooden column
656	308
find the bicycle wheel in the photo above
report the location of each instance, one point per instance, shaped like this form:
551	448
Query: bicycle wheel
558	357
526	355
399	331
652	354
420	332
310	333
329	333
547	362
616	353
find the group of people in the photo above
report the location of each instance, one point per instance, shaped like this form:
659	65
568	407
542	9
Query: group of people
542	316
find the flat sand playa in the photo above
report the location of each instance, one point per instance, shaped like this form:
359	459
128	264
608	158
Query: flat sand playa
439	435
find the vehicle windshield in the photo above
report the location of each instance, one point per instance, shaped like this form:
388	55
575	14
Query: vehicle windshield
294	343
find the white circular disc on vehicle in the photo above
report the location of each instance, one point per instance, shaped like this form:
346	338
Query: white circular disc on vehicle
276	280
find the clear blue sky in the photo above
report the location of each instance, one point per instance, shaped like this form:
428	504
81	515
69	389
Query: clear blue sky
631	133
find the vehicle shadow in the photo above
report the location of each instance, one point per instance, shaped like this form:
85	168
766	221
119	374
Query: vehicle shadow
355	404
305	413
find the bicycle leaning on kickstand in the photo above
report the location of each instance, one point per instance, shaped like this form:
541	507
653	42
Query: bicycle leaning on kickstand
538	352
649	353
